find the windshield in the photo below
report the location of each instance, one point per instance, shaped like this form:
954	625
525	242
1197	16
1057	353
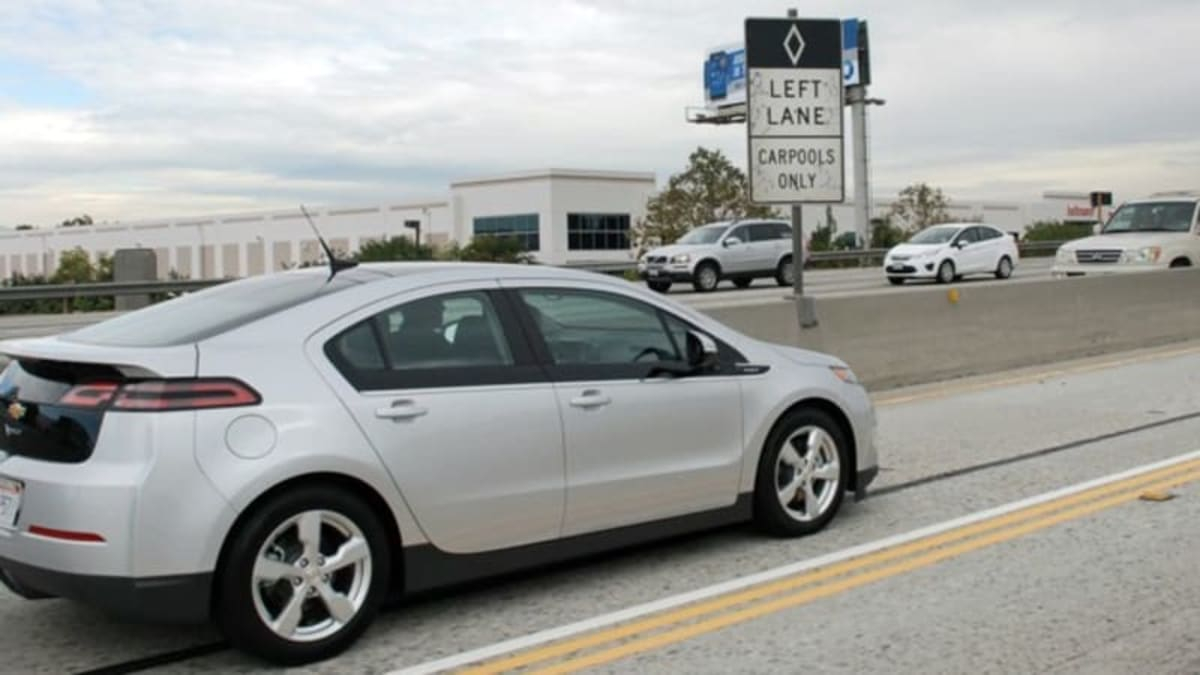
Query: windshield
709	234
206	313
1152	217
935	235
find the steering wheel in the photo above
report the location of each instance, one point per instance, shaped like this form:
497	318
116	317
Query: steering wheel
662	354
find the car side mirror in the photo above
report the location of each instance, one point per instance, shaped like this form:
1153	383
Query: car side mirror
731	241
960	244
702	352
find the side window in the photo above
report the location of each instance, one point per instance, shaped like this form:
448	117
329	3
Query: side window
742	233
782	231
762	232
988	233
445	340
584	328
969	235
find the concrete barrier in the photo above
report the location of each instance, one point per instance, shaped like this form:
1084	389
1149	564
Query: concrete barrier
937	333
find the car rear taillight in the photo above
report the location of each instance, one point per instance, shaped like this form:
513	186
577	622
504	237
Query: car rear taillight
161	395
91	395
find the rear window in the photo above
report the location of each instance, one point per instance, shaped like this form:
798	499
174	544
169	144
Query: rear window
210	312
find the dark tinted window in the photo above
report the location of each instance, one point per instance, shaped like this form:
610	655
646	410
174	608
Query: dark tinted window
782	231
455	339
986	233
597	231
969	235
762	232
210	312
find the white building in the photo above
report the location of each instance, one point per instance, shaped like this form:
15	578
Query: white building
563	216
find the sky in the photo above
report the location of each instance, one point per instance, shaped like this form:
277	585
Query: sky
137	109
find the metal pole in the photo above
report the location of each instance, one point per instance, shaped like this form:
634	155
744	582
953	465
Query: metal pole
804	305
862	194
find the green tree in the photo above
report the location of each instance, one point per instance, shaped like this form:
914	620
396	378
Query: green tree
710	189
821	238
24	226
884	234
918	207
394	248
488	248
83	220
75	267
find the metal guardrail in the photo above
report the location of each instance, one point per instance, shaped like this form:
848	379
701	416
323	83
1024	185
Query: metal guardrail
117	288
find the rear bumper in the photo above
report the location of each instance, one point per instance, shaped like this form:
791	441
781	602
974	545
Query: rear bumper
182	599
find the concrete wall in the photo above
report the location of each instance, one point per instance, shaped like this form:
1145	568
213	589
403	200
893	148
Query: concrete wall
919	335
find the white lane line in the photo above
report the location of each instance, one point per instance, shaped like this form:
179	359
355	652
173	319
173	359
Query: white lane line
707	592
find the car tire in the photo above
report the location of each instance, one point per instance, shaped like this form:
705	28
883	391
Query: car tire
270	541
820	469
706	277
1004	268
659	286
743	282
945	273
896	281
785	272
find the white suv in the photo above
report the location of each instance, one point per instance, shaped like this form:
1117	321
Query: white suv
739	251
1159	232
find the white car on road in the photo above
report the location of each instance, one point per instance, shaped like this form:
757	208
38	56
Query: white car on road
1157	233
952	251
739	251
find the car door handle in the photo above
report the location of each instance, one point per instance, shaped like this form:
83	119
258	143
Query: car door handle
591	398
401	410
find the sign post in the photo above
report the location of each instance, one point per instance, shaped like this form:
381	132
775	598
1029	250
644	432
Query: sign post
794	100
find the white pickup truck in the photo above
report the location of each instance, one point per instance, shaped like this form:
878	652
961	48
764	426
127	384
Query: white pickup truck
1159	232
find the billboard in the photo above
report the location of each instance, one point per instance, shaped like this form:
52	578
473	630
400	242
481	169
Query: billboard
725	76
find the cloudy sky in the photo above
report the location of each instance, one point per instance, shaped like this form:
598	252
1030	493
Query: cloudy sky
127	109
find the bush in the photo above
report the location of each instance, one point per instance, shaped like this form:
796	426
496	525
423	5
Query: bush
884	234
394	248
1053	230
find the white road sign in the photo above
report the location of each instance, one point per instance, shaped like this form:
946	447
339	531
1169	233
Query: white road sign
794	110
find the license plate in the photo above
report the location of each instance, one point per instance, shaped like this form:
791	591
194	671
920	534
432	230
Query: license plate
655	273
10	502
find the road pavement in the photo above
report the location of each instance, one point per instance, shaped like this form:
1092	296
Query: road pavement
1103	583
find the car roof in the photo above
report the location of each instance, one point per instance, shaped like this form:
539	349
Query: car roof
365	273
1170	196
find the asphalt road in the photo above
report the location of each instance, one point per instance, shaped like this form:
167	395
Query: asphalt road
1093	581
819	283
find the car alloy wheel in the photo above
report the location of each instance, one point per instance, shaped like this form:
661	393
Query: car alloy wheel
311	576
1004	270
707	277
945	272
808	474
802	474
303	576
785	275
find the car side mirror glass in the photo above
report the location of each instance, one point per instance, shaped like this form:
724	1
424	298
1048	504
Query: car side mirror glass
961	243
731	241
702	352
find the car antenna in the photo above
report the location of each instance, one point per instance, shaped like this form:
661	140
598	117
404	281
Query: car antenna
335	265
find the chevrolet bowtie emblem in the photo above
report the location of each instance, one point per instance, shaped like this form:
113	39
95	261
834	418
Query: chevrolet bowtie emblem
16	411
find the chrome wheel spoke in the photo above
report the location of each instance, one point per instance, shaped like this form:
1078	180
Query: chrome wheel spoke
811	505
309	532
352	551
789	455
787	493
339	606
829	472
289	619
816	442
266	569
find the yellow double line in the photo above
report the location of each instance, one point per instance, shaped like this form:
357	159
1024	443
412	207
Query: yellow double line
673	626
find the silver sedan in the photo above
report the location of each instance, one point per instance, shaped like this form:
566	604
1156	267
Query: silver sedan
325	442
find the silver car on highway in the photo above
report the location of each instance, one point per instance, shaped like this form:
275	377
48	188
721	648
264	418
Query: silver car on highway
284	453
740	251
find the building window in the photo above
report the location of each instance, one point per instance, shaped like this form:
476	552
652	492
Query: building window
597	231
524	227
